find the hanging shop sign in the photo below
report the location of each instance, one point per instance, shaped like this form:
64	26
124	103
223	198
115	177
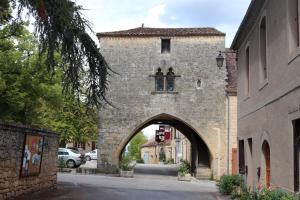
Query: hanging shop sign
159	136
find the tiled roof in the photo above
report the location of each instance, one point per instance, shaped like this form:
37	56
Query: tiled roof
231	87
150	143
148	32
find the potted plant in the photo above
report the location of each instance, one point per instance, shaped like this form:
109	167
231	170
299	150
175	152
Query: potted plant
183	171
126	167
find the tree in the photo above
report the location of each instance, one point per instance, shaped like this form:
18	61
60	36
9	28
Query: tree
61	28
34	97
23	89
134	148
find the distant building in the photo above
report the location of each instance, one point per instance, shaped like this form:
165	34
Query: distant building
269	94
176	148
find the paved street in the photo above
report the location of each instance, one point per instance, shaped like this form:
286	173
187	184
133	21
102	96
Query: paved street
142	186
150	170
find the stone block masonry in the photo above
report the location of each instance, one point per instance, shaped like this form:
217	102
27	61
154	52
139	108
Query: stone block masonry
197	101
11	147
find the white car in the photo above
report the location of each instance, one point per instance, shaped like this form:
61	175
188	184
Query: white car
72	158
92	155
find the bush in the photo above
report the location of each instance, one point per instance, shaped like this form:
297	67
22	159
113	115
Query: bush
275	194
229	183
184	168
234	186
61	163
125	164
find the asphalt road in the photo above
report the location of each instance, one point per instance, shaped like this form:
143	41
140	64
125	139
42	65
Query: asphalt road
141	187
163	170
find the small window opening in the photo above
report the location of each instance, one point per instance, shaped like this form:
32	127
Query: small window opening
159	80
294	23
170	80
165	45
263	48
247	83
199	83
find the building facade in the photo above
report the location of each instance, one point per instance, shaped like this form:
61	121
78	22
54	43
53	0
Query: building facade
169	76
269	94
175	148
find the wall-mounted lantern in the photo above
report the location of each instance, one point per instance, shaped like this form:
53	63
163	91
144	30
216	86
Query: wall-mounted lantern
220	59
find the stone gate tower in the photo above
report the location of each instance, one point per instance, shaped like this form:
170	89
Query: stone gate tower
167	75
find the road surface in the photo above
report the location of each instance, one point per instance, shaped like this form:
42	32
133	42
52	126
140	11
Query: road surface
141	187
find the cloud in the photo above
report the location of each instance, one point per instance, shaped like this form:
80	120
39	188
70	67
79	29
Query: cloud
119	15
154	15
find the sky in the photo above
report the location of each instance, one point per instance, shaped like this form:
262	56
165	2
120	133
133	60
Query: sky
114	15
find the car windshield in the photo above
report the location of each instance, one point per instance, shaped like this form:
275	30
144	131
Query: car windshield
74	151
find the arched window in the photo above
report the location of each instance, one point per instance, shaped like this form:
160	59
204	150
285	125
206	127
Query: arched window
159	80
170	80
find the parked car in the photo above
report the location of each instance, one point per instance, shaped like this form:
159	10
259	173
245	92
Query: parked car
74	148
72	158
92	155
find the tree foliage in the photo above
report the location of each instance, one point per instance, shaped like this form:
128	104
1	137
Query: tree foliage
34	97
134	148
61	28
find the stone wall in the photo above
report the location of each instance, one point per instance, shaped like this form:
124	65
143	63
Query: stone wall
202	107
11	147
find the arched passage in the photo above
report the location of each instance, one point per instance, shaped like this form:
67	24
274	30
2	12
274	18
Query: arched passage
266	153
200	153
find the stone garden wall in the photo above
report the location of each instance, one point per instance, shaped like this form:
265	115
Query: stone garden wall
12	146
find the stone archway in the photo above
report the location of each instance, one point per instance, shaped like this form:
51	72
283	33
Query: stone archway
201	155
206	145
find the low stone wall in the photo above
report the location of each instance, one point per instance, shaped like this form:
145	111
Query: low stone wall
12	140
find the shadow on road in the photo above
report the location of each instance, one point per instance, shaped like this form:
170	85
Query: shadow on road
162	170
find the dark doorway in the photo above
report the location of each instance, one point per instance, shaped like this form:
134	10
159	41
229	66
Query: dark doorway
296	125
266	153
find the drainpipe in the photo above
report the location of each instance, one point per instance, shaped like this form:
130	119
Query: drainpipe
228	132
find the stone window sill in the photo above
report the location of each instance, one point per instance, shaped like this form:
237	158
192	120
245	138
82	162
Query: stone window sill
295	54
263	85
164	92
246	97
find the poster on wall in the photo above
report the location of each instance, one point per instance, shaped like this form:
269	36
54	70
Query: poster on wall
32	155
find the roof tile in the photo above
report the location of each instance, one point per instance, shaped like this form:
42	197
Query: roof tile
148	32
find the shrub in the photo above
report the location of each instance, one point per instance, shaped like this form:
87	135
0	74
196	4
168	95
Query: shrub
275	194
125	164
229	183
61	163
234	186
184	168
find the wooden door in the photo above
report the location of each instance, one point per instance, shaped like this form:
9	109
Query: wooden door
266	152
234	167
